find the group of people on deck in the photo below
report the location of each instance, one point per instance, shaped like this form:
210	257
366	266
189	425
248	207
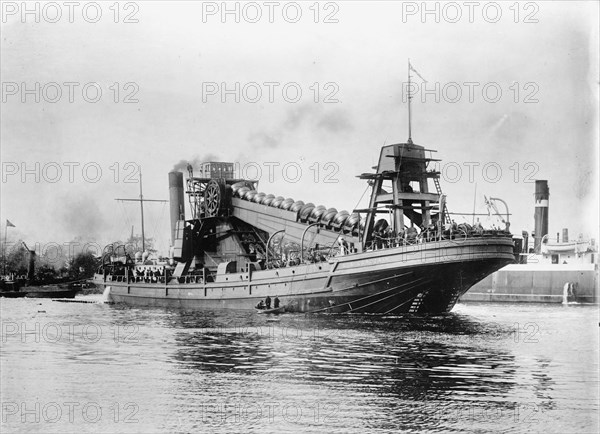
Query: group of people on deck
385	237
150	274
266	303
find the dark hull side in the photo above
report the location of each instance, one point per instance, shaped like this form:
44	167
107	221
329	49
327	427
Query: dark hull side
12	294
20	288
39	294
426	278
31	292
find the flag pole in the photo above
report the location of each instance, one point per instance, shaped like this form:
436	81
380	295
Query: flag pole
409	113
474	203
142	213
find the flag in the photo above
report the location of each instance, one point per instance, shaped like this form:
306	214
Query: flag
489	205
9	224
410	67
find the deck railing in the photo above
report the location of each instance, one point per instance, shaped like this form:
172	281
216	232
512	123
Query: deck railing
421	240
428	236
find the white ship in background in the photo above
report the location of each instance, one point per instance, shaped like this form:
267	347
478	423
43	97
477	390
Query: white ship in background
550	269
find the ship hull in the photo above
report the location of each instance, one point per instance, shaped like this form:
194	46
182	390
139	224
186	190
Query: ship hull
46	291
538	283
51	292
423	278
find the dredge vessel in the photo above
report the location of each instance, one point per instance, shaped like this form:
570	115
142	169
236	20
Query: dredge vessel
241	245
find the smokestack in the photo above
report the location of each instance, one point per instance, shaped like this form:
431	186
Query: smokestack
565	235
542	193
175	201
31	265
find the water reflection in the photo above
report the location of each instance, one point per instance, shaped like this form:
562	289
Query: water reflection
408	357
482	368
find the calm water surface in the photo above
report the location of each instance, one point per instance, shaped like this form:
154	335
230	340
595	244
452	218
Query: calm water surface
71	367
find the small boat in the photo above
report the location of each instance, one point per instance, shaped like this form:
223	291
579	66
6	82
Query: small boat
275	310
17	290
49	291
37	288
12	294
10	289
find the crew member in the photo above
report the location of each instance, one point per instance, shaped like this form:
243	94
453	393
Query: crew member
379	232
268	302
276	302
478	228
388	235
343	246
400	238
431	231
260	258
411	234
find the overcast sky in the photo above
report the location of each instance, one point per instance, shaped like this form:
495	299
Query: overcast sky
175	63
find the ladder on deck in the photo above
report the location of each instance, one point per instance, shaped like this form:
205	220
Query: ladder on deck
438	188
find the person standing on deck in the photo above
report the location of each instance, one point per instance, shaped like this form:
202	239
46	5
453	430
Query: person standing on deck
343	246
268	302
478	227
276	302
411	234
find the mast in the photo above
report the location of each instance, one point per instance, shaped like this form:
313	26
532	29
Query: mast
474	203
142	213
410	68
409	113
141	200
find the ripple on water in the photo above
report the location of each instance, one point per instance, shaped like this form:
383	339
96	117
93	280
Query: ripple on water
209	371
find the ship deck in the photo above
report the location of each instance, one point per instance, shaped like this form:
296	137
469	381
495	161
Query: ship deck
378	281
